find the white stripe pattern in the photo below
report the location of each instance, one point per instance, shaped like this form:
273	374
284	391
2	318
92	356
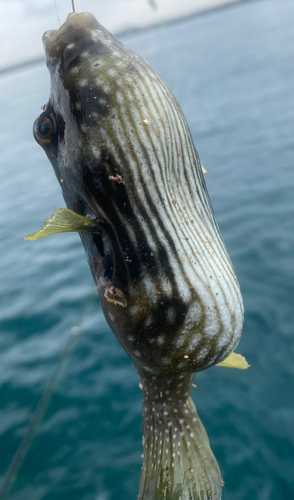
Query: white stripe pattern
143	129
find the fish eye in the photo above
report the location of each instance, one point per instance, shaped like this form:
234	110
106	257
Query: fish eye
44	129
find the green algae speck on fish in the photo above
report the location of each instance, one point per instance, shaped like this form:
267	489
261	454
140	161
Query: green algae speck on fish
134	190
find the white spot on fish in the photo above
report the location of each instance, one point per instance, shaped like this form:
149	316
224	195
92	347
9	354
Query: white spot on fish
166	361
203	353
160	340
74	70
171	314
134	310
106	89
70	46
98	82
137	353
180	341
148	320
119	97
94	36
96	152
84	128
112	318
83	82
78	106
85	54
112	72
131	338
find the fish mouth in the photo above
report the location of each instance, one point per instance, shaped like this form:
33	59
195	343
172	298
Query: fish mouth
69	32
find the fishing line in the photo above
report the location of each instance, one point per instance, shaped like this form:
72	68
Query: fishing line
55	3
73	5
44	402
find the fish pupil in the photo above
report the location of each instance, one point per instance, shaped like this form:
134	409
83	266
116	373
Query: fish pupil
45	128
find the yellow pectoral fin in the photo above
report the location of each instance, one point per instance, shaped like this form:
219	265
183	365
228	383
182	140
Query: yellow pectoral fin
64	221
203	170
235	360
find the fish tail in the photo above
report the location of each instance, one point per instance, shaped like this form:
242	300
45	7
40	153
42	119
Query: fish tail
178	461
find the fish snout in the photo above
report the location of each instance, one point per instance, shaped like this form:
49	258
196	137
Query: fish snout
71	14
75	37
83	20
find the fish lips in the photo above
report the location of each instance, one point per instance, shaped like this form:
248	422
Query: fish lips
80	34
74	22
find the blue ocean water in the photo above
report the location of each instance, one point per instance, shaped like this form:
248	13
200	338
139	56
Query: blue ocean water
232	72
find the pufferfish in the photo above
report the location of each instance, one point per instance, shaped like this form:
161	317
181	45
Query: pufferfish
134	189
